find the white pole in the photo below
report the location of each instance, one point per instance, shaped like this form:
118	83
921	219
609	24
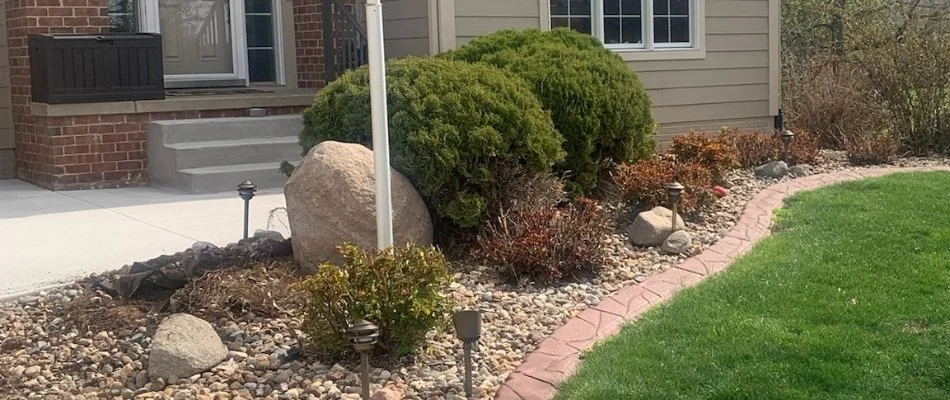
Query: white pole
380	115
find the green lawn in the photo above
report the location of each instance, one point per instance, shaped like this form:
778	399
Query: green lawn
849	299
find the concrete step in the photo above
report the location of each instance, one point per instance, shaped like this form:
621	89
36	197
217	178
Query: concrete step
202	130
226	178
212	155
226	152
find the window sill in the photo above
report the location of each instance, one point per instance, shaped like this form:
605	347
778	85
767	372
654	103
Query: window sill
660	54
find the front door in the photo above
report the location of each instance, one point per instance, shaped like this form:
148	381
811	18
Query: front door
202	41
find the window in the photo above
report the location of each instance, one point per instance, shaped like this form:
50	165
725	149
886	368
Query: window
629	24
122	16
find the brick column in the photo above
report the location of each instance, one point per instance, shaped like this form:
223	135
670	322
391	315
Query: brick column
34	142
308	38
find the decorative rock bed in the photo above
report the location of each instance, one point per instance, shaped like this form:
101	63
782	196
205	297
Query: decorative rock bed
75	343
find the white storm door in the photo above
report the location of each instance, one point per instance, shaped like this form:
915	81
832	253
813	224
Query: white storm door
203	41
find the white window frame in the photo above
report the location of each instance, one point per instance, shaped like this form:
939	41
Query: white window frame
648	50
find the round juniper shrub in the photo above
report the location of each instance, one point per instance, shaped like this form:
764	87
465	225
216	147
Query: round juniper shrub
450	122
596	101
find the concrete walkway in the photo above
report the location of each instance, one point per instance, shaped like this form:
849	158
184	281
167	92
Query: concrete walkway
48	238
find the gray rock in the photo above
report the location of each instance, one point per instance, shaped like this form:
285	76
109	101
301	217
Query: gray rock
331	200
269	235
801	170
774	170
678	243
651	228
203	246
184	345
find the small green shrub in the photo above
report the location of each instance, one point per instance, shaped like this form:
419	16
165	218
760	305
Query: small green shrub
596	101
400	290
643	184
711	152
449	123
545	243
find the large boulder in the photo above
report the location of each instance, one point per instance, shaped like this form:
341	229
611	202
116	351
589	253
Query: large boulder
183	346
331	199
774	170
651	228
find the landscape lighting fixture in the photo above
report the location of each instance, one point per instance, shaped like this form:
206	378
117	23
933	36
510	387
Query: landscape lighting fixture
363	336
675	191
468	328
246	191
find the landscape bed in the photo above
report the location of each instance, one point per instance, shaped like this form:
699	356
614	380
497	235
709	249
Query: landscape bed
71	341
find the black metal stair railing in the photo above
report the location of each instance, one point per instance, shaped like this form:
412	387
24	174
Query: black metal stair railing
344	37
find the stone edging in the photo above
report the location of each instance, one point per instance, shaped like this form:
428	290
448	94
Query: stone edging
558	355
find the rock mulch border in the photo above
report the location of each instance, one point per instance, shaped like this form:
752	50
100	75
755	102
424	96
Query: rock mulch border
558	355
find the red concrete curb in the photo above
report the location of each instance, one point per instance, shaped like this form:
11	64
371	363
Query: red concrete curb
557	356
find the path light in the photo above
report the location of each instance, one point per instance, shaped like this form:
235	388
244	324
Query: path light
246	190
787	138
468	327
363	335
675	191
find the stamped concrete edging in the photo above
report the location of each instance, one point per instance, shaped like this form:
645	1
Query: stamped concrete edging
558	355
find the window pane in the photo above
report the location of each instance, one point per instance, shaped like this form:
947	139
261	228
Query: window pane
679	29
611	7
679	7
661	30
580	7
121	16
631	7
558	7
257	6
581	25
261	65
260	31
120	6
632	30
121	23
611	30
661	7
559	23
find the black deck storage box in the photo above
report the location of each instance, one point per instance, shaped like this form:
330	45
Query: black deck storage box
69	68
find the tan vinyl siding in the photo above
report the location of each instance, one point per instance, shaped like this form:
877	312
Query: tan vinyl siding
406	27
7	161
479	17
729	86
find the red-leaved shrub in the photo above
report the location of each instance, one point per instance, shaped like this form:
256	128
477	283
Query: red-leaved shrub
870	150
804	149
643	183
545	243
752	148
711	152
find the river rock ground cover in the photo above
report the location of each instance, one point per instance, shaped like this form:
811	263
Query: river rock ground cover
75	343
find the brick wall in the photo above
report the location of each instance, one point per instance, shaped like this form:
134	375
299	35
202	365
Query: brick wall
108	150
34	146
96	151
308	38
